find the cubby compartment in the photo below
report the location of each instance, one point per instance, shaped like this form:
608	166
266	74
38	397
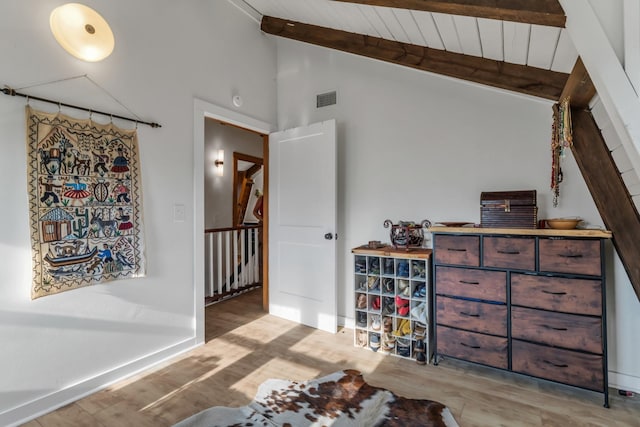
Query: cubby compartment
373	265
388	267
360	265
402	268
418	269
373	284
388	286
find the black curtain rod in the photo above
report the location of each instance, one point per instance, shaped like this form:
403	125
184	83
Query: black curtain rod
12	92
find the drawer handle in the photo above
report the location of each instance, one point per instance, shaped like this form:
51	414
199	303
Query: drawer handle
509	252
470	346
554	328
570	255
556	364
553	293
469	314
465	282
456	250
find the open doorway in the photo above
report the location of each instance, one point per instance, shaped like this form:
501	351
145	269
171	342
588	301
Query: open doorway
205	157
234	212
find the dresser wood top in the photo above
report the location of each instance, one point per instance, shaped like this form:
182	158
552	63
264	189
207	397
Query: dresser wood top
578	232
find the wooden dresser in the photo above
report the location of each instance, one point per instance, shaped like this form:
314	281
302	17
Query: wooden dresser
527	301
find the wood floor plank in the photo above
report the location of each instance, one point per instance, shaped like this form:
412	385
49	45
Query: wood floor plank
245	347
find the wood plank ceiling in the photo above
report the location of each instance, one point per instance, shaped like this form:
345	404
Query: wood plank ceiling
518	45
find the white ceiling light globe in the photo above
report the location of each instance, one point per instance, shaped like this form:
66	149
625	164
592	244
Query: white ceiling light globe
82	32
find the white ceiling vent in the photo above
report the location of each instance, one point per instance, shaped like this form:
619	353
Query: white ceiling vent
326	99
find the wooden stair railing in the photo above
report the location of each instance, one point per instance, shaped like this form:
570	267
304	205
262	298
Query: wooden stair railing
233	262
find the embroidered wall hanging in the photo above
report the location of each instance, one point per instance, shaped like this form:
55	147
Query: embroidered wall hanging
85	200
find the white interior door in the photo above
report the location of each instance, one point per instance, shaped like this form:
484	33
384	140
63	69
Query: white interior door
302	225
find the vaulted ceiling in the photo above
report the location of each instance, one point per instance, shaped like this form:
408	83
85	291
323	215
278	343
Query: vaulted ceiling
517	45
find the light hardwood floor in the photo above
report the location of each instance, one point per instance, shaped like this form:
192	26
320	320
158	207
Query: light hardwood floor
245	347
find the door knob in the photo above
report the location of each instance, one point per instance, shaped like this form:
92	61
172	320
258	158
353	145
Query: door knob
328	236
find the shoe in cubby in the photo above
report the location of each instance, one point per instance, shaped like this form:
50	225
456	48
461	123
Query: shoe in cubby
403	287
374	266
387	266
419	290
388	344
360	265
419	311
361	319
419	350
418	269
374	303
419	330
388	285
387	324
403	328
361	283
403	347
373	283
374	341
361	301
361	337
388	306
402	306
376	323
402	268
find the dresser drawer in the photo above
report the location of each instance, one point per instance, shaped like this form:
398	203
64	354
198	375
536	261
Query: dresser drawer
472	346
470	283
565	366
472	315
570	256
557	329
509	252
579	296
457	250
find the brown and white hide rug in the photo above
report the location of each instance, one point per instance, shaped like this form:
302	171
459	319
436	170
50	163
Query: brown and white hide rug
340	399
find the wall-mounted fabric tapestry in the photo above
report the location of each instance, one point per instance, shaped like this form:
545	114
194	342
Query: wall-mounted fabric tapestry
85	200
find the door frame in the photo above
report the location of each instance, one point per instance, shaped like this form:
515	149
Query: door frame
201	110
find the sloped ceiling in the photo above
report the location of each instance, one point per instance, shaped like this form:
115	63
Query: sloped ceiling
518	45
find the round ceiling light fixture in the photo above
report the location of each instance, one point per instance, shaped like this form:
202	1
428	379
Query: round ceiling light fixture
82	32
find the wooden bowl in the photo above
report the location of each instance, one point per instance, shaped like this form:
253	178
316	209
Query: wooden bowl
563	223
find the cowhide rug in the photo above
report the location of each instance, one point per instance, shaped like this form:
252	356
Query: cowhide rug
340	399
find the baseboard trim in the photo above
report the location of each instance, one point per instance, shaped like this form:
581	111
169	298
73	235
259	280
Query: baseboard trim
346	322
624	382
45	404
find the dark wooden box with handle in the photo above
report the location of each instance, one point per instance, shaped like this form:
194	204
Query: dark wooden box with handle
508	209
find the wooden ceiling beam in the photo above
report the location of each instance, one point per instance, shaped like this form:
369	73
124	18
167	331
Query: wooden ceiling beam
608	190
541	12
579	87
519	78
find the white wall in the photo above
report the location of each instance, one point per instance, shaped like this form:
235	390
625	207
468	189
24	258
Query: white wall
167	53
415	146
610	15
219	189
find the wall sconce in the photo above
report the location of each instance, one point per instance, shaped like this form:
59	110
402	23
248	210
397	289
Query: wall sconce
82	32
219	163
